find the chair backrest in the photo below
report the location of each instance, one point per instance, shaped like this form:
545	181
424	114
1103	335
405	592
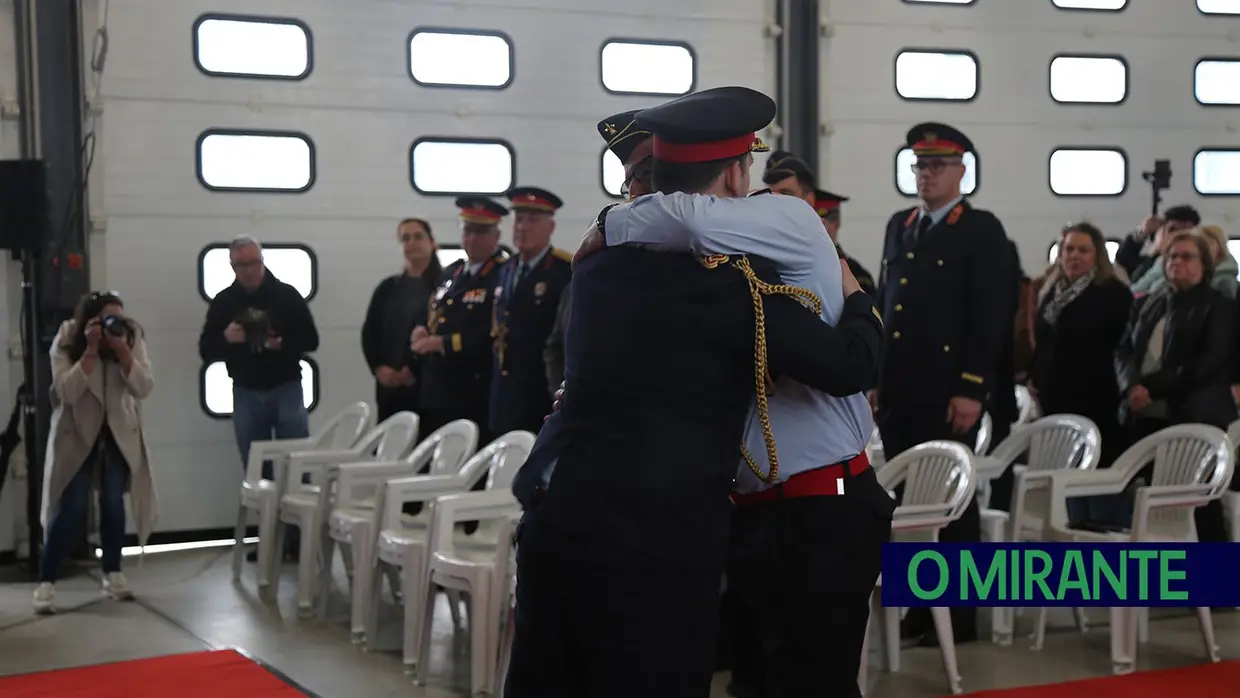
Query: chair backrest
1195	459
1233	434
447	448
939	481
1056	442
345	428
984	431
500	460
1026	407
392	438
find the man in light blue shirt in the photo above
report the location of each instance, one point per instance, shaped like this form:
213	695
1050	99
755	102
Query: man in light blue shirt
804	558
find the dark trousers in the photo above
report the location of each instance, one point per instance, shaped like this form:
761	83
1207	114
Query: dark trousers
1001	487
389	401
901	428
70	512
626	627
800	573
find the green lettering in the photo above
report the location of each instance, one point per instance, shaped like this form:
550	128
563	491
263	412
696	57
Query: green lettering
1166	575
1072	576
916	588
1102	568
1143	558
970	578
1038	577
1014	579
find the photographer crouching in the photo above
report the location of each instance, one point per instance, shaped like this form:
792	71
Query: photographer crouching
261	328
100	372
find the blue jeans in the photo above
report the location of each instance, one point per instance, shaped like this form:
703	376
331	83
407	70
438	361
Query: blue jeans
70	512
259	415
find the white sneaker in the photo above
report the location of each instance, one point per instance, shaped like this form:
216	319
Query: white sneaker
116	586
45	598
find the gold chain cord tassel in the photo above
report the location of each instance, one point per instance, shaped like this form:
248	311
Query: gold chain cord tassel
763	385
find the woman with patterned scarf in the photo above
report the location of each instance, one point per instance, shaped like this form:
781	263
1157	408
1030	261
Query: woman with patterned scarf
1082	310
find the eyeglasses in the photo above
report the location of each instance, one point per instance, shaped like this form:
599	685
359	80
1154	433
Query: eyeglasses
639	173
1183	256
932	166
246	263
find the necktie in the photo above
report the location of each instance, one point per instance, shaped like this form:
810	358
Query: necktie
912	234
516	280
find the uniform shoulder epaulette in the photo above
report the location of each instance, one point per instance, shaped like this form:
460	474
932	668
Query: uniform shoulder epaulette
907	216
562	255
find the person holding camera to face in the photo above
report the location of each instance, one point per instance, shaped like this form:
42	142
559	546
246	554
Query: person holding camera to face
261	328
100	375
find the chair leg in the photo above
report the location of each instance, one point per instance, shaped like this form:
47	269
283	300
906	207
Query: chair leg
1039	629
1123	640
426	609
947	645
507	631
454	607
482	647
306	569
270	549
325	583
1082	622
1206	620
239	541
360	585
415	608
370	625
891	638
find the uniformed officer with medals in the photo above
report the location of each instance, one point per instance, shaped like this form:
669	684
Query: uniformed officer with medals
944	265
828	207
456	341
527	295
620	560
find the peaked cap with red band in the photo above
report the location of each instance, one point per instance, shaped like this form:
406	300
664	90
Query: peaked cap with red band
781	165
938	140
826	203
533	199
480	210
715	124
622	134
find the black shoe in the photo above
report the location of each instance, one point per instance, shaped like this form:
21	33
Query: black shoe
252	556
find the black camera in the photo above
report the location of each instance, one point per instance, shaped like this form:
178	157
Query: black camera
117	326
1159	179
257	326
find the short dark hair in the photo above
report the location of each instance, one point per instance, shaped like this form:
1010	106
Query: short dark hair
1183	213
691	177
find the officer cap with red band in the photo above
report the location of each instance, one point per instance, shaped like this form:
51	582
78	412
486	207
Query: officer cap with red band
715	124
533	199
781	165
826	203
480	210
938	140
623	135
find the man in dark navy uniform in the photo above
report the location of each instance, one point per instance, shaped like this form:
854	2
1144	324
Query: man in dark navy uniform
621	560
828	207
456	342
527	295
630	144
944	271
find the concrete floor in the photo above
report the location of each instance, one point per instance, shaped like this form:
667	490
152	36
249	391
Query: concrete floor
187	602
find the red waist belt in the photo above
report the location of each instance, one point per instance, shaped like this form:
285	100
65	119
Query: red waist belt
828	480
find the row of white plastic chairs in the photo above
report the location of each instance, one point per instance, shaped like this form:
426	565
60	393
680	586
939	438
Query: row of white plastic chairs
1192	465
346	486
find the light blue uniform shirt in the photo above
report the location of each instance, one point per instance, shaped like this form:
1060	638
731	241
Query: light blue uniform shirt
938	214
811	428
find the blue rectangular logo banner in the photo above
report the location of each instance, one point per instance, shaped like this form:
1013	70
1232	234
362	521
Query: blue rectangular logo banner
1061	574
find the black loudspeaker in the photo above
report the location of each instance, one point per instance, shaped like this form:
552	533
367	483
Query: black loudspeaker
24	206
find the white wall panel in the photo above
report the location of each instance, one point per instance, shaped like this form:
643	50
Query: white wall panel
1013	120
362	111
12	499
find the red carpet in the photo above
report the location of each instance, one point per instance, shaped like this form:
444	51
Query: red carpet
219	674
1200	681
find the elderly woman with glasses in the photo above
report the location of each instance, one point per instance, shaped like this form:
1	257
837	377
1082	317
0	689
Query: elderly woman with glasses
100	375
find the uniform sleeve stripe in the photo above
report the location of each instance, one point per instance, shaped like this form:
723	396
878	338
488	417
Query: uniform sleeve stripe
972	378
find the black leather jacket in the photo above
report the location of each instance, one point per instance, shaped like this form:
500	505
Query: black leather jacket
1194	378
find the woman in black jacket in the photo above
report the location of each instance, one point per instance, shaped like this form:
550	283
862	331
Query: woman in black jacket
1174	364
400	303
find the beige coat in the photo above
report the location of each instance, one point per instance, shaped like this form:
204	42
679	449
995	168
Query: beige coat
79	404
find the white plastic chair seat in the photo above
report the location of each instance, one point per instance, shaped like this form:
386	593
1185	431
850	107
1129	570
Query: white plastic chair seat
345	521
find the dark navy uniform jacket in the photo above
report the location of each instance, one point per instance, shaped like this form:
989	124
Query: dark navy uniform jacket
946	308
522	320
660	378
864	279
458	382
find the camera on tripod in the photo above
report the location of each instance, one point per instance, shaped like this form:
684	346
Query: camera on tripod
257	326
1159	179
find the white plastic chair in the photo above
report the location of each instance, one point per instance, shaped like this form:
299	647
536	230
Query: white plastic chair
1026	406
481	574
877	456
939	482
360	492
407	549
1193	464
1055	443
1231	500
305	504
262	495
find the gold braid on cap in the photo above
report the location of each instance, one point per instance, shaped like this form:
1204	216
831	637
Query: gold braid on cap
763	385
